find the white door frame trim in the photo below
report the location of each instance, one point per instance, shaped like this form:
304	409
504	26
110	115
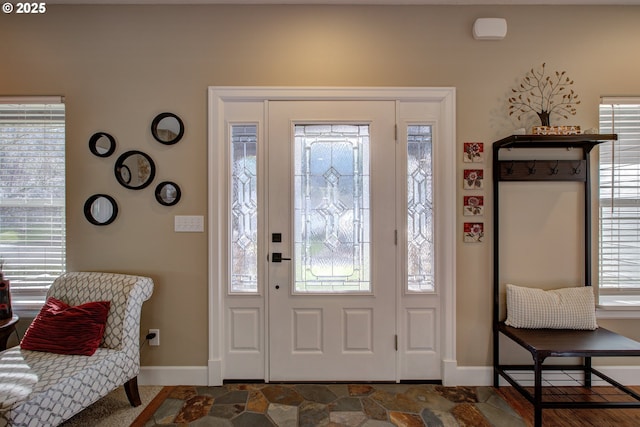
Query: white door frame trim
445	179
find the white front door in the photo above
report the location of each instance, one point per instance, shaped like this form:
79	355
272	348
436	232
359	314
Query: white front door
357	187
332	275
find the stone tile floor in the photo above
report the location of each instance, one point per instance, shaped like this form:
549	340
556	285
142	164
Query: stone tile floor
333	405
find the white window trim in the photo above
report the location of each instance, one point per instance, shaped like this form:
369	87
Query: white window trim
25	308
32	99
623	306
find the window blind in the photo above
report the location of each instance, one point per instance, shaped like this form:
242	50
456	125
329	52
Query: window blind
619	239
32	197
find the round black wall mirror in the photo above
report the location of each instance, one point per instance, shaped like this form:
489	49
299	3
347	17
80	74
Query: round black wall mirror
135	170
102	144
168	193
167	128
100	209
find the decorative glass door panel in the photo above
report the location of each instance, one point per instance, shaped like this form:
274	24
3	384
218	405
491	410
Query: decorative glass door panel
244	209
420	243
332	214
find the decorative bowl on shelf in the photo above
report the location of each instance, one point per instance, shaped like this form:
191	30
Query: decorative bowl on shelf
556	130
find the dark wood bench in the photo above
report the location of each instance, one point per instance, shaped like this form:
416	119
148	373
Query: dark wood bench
545	343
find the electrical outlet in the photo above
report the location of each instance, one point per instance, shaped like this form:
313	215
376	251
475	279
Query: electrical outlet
155	340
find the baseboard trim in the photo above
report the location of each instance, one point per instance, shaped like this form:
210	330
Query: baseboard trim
173	375
453	375
625	375
483	375
215	372
467	375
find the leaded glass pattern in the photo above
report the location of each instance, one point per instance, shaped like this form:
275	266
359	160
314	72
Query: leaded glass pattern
244	209
332	242
420	277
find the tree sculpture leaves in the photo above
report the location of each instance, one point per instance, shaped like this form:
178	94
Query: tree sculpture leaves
544	95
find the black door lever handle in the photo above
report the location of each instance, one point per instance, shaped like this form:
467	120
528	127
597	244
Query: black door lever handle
277	257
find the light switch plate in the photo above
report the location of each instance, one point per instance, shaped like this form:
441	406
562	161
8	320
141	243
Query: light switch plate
189	223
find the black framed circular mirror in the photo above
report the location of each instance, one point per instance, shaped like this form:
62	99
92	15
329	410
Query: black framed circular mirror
135	170
167	128
168	193
102	144
100	209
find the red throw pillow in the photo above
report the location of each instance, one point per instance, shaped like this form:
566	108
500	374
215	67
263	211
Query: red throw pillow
63	329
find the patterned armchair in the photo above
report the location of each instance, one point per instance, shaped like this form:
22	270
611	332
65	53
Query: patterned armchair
45	389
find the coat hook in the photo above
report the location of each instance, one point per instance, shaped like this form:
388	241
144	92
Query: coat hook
554	169
532	169
577	169
510	168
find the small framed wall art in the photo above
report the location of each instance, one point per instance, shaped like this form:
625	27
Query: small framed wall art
473	152
473	232
473	179
473	205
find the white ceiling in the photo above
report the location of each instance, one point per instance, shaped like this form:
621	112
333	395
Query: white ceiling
360	2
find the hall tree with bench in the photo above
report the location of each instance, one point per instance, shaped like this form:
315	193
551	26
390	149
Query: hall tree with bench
533	323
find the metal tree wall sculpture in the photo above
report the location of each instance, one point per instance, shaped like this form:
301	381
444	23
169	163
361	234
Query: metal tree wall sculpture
544	95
